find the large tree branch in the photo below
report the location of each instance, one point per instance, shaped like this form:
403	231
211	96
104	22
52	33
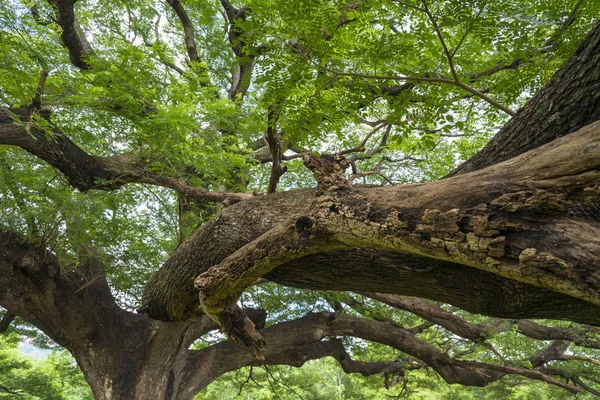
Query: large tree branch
72	36
582	336
295	342
488	225
85	171
503	245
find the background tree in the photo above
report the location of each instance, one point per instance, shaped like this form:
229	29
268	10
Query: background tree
141	134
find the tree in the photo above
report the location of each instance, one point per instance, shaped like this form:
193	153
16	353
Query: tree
26	379
98	97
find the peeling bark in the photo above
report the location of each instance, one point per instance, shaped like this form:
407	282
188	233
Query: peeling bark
507	220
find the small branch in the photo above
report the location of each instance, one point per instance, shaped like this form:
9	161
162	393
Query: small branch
580	383
9	391
370	153
585	336
500	66
553	352
578	358
230	10
361	146
368	173
188	29
438	32
245	382
275	149
416	79
36	102
552	40
6	321
162	59
226	198
244	60
372	124
517	371
433	313
35	13
549	46
485	98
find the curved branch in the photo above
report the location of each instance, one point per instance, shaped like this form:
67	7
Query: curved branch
72	36
438	32
190	42
433	313
582	336
244	59
585	336
85	171
294	342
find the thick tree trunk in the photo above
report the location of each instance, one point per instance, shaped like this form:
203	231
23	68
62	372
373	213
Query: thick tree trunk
127	356
123	356
508	221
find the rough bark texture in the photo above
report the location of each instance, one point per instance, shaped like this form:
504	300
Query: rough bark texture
507	220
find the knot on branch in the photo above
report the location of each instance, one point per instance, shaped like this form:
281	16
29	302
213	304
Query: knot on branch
329	170
239	328
303	227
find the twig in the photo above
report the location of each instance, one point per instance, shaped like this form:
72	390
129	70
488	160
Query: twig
361	146
245	382
438	32
36	102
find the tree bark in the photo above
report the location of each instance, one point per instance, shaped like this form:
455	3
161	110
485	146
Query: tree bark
508	222
169	295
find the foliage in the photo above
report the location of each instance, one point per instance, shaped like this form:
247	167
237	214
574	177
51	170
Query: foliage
55	378
324	379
